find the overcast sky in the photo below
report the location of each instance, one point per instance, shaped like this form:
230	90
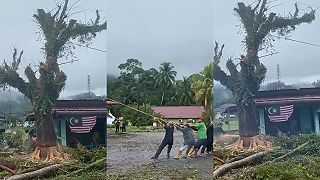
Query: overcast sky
19	29
298	62
179	31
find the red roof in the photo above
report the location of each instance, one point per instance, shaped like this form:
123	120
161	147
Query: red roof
288	96
179	112
288	100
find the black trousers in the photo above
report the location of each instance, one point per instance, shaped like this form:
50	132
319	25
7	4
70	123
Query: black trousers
208	145
163	144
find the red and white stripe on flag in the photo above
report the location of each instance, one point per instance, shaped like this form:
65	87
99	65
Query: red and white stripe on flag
283	115
87	123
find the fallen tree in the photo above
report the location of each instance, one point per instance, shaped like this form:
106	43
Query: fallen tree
36	174
236	164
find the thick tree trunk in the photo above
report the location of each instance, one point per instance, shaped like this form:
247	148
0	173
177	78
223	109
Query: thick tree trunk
162	97
47	147
248	126
46	136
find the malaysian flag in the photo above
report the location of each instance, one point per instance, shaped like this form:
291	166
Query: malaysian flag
82	125
279	113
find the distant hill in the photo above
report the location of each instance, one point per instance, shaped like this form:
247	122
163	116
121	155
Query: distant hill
221	95
86	95
15	101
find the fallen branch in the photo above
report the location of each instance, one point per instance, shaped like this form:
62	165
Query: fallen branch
11	171
6	153
226	167
289	153
239	157
218	159
36	174
90	165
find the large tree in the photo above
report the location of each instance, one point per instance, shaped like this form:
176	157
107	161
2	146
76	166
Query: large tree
43	86
165	78
244	79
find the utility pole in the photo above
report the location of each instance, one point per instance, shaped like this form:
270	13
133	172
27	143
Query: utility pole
278	76
89	86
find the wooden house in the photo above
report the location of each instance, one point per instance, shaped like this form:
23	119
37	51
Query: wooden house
290	111
79	121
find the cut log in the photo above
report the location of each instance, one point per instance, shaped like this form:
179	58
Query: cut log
236	164
36	174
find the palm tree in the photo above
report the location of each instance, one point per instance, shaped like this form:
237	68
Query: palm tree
203	88
184	92
165	78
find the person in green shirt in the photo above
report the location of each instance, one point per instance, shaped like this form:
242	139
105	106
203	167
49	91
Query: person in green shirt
201	135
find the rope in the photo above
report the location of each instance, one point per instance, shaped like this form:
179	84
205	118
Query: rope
138	110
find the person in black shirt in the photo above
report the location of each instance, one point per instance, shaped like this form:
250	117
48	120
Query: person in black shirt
117	124
209	141
167	140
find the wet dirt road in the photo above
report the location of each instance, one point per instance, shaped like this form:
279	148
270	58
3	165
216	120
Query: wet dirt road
132	152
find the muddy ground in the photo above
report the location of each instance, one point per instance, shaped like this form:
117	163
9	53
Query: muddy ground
129	155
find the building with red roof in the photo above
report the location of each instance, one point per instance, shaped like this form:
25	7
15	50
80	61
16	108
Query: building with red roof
176	113
288	110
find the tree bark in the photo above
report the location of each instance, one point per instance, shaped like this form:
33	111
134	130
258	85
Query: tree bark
236	164
46	136
36	174
248	126
162	98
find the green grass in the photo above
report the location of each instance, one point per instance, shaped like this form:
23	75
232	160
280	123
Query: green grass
233	125
131	129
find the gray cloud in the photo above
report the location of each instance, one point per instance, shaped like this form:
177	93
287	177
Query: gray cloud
156	31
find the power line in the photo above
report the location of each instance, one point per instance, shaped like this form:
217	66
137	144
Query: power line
298	41
80	45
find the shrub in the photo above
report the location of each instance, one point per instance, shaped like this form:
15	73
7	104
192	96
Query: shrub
15	137
137	118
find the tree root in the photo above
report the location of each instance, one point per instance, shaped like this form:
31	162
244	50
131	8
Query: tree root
252	144
49	154
236	164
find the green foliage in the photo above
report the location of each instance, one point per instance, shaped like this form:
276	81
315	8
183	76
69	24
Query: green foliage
312	149
16	137
83	155
295	168
138	118
202	85
152	86
185	94
302	164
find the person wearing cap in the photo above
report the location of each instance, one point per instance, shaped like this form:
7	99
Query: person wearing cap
201	136
167	140
188	140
